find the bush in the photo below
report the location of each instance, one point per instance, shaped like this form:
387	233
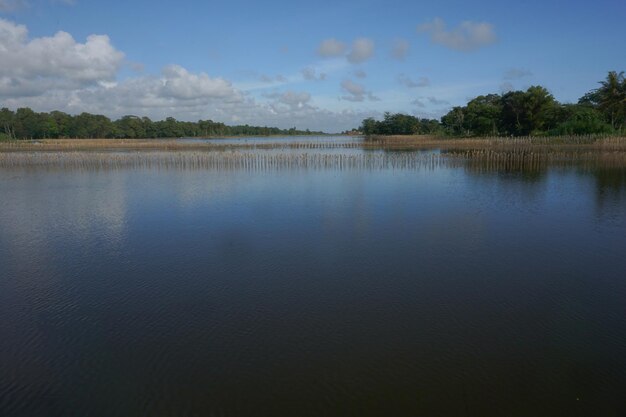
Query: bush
583	121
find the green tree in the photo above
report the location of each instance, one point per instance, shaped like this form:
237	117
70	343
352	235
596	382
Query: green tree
483	115
130	127
7	122
454	121
581	120
610	99
28	124
63	122
528	112
369	126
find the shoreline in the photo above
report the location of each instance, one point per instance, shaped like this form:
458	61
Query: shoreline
380	152
539	144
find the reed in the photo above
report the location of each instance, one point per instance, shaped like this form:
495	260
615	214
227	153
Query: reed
374	153
385	142
269	161
251	161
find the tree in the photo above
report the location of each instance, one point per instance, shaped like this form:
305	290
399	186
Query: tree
610	99
396	124
7	123
483	115
28	124
528	112
369	126
63	123
130	127
454	121
581	120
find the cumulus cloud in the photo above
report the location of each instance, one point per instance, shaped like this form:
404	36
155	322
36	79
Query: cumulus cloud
356	92
310	74
292	99
516	74
436	101
40	64
180	84
295	99
331	48
362	50
360	74
269	79
146	96
400	49
418	103
61	73
421	102
407	81
468	36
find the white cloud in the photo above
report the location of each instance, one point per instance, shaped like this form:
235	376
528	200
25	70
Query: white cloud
180	84
362	50
293	99
400	49
418	103
268	79
360	74
407	81
56	62
60	73
436	101
356	92
331	48
310	74
468	36
191	96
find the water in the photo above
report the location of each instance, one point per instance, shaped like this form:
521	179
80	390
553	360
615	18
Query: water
394	291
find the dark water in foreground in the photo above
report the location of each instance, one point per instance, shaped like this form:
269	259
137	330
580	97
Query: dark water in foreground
391	292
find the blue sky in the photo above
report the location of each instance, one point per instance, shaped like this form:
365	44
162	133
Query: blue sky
318	65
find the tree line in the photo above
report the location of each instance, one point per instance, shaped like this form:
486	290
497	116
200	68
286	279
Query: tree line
520	113
25	123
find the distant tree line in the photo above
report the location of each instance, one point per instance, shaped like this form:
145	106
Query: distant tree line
28	124
520	113
399	124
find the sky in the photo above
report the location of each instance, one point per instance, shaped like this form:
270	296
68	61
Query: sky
323	65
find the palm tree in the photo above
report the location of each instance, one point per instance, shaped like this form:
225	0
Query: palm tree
611	98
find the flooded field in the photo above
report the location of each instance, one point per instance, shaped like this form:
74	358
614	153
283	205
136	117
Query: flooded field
326	278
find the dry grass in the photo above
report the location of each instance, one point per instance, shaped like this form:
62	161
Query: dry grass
380	142
237	160
162	145
611	143
489	153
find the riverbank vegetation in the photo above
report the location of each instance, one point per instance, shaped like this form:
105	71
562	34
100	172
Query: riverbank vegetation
385	153
534	112
28	124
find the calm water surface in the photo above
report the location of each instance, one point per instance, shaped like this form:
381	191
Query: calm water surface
312	292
